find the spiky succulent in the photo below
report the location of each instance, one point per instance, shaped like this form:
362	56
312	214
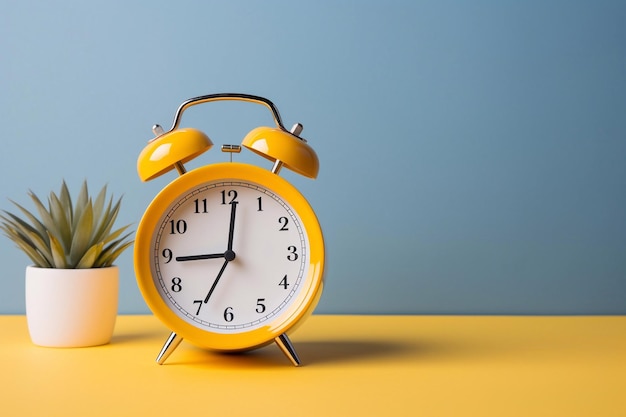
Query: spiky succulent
68	234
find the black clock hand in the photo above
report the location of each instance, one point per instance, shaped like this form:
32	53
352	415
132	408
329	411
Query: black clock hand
199	257
231	230
229	255
219	275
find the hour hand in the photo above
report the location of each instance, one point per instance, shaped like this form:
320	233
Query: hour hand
199	257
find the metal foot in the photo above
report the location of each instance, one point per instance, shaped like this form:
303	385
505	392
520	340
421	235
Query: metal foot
285	345
170	345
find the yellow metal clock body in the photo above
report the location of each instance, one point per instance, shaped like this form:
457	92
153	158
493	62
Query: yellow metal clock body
229	256
250	228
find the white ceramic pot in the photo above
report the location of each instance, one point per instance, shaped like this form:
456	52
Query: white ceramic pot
71	307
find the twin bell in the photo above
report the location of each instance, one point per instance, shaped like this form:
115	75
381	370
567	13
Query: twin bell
172	149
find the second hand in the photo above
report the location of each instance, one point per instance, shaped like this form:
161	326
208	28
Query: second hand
219	275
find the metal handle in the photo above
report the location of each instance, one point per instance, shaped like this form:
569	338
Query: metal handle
227	96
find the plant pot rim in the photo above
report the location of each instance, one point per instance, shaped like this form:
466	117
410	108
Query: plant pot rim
71	269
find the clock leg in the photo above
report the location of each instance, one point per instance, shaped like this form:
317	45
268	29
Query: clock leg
285	345
170	345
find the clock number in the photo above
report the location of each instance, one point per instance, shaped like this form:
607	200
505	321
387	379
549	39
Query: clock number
260	307
283	224
283	282
292	253
178	227
201	205
232	194
176	287
199	302
228	314
260	204
167	253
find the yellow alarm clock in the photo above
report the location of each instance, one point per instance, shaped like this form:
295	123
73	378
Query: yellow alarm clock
229	256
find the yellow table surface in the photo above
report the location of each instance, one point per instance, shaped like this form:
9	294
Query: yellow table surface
352	366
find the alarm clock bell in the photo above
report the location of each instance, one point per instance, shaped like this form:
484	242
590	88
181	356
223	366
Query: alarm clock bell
172	149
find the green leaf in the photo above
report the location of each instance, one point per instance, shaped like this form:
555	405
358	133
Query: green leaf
41	246
26	236
37	258
113	235
108	219
58	255
24	243
113	255
81	241
67	233
19	224
46	218
98	205
60	218
80	205
89	258
118	241
66	202
41	229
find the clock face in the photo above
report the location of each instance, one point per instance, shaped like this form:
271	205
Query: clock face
229	256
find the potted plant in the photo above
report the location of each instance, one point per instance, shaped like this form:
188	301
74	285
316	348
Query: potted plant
72	286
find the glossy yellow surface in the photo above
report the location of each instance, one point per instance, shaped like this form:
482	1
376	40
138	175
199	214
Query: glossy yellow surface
352	366
284	322
162	153
276	144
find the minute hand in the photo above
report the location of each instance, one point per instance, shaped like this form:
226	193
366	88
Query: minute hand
229	255
231	229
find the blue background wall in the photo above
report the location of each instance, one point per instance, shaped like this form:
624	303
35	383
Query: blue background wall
472	153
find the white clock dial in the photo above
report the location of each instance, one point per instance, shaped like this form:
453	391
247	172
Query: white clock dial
228	256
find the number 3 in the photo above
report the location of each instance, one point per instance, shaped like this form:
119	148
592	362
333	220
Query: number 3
292	255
